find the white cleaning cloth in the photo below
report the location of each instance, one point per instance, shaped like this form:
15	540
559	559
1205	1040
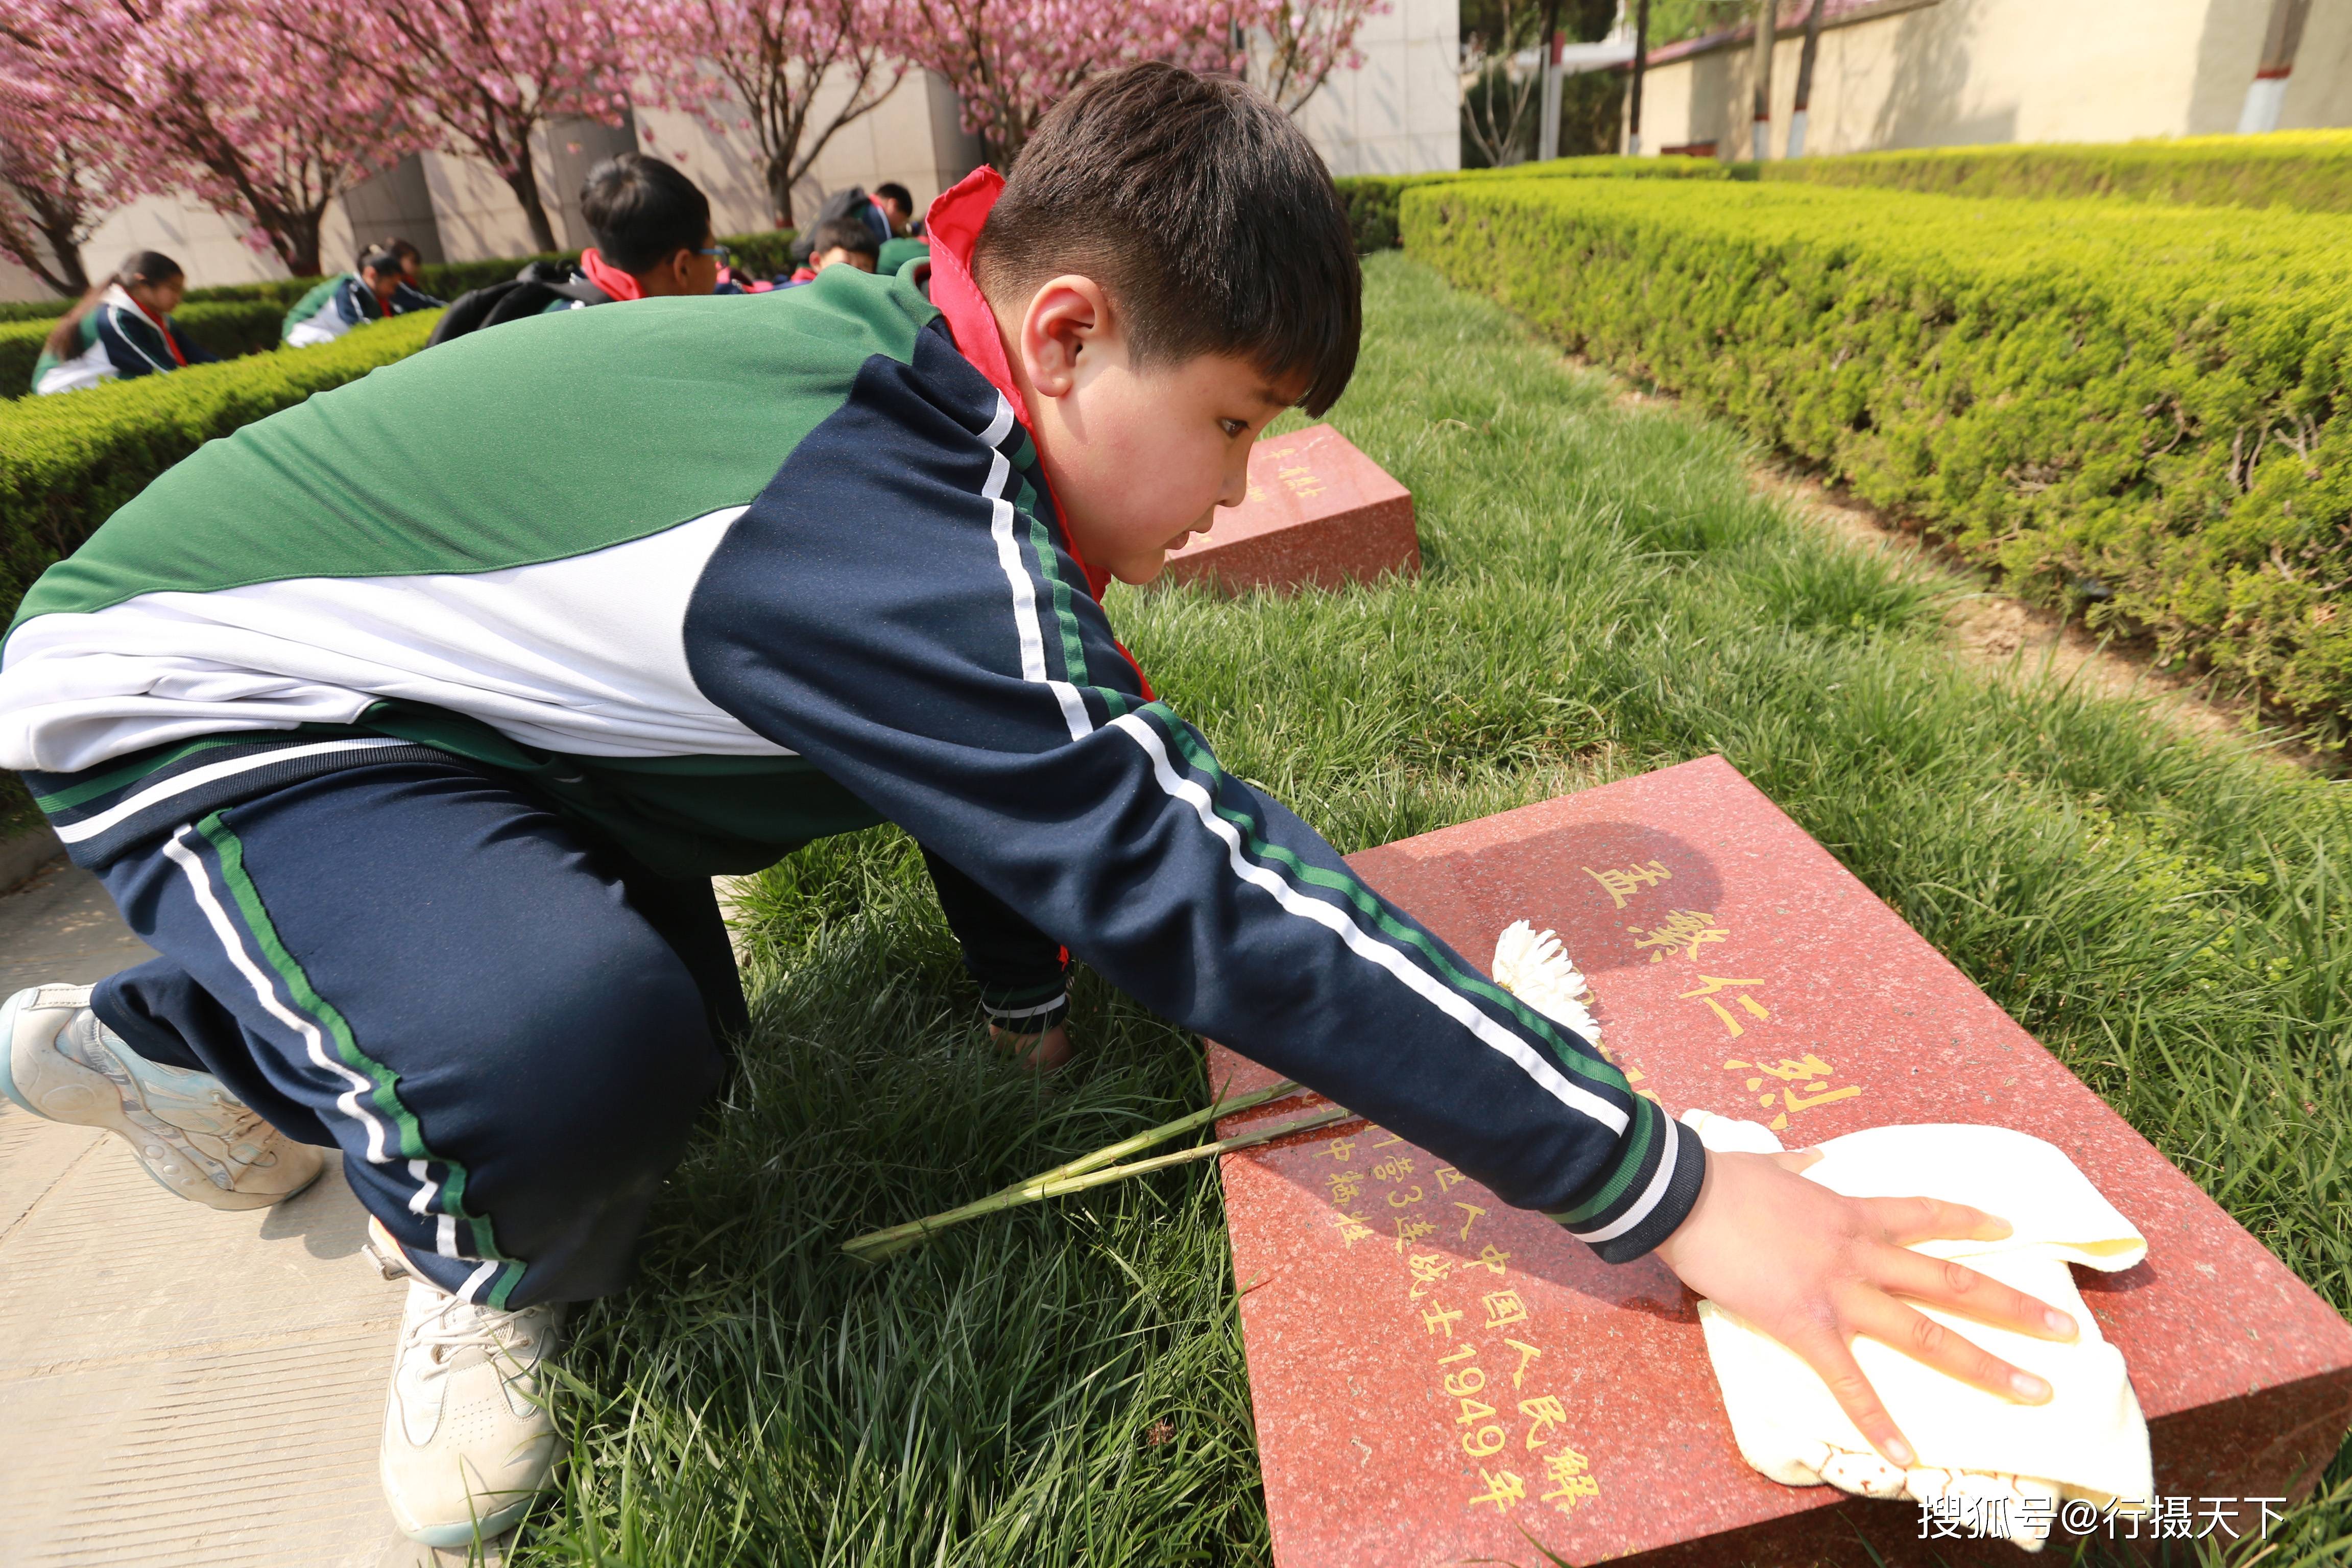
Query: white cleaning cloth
2090	1441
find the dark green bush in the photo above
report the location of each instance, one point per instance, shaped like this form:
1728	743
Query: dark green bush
2307	170
2126	407
68	461
229	329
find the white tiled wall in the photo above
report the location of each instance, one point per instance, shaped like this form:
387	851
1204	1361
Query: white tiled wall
1398	113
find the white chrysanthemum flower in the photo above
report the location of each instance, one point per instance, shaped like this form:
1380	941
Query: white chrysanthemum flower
1532	968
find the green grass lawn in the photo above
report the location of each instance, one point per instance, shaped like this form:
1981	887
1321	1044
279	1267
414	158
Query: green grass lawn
1603	596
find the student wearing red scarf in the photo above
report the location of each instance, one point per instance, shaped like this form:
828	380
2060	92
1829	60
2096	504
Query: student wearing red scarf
652	234
122	328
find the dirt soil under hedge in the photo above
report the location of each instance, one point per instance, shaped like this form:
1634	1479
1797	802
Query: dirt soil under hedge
1993	630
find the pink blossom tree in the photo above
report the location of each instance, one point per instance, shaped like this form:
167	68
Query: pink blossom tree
758	66
1289	47
200	94
1010	60
54	190
482	75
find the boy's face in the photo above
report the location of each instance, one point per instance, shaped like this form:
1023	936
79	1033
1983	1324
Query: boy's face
1140	457
838	254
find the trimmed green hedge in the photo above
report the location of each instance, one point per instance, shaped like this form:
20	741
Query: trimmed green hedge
761	254
2128	409
1371	199
229	329
2307	170
68	461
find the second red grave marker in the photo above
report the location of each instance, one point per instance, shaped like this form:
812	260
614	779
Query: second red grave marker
1319	513
1438	1377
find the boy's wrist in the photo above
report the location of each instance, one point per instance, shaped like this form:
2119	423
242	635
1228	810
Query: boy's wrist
1647	1193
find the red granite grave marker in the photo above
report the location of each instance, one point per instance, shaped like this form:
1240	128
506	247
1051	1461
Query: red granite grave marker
1439	1378
1319	513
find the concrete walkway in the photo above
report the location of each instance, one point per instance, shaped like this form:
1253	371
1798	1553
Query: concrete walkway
177	1385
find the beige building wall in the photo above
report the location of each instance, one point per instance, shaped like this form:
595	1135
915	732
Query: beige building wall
202	241
1937	73
1399	111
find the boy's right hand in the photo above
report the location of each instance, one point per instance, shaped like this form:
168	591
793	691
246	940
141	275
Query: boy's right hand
1814	1269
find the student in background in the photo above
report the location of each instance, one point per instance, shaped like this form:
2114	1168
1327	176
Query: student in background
838	242
412	260
652	231
897	253
651	228
897	204
380	290
122	328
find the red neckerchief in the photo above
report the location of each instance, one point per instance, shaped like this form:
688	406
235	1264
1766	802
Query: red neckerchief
163	327
608	277
952	226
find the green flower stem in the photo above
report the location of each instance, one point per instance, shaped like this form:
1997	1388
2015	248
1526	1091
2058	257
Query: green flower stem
1095	1170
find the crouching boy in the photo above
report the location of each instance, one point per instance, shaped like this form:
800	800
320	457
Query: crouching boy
408	726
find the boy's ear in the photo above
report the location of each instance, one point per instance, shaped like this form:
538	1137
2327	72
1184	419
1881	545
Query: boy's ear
1068	318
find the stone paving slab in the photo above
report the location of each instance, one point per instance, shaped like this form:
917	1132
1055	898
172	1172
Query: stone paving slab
177	1385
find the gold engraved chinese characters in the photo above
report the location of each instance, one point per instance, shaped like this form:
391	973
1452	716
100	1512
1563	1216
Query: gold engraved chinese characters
1804	1083
1681	933
1621	886
1498	1415
1297	477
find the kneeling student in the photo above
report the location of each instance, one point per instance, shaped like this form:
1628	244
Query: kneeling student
415	774
380	290
122	327
838	242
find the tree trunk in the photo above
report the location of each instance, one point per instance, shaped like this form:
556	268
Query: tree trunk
57	227
1548	133
524	184
1759	139
1805	78
780	187
302	242
2267	96
1641	64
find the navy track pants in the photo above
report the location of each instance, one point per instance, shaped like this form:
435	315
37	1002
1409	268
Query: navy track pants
506	1031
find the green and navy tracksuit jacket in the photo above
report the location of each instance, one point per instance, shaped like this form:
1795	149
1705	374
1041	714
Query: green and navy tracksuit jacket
718	576
116	339
336	305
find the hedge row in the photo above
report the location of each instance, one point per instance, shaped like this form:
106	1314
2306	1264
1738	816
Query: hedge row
2128	409
761	254
229	329
1371	199
2307	170
67	463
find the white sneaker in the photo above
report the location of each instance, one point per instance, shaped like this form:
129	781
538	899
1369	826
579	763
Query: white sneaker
467	1439
195	1138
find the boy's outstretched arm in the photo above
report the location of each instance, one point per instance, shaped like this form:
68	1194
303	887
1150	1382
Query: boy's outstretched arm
898	608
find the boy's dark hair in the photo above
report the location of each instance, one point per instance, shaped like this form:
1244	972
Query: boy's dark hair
379	258
1204	214
641	211
892	191
852	234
